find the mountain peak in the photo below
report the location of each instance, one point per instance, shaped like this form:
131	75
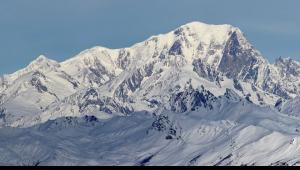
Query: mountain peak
40	63
40	59
202	24
200	28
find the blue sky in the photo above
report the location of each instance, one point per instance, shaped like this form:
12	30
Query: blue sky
62	28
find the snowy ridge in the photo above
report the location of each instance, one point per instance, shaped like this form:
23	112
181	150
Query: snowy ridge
148	71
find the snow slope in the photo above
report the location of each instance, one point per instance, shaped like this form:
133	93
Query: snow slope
236	132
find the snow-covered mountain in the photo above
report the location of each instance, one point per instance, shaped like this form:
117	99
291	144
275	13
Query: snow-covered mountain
160	88
143	76
28	91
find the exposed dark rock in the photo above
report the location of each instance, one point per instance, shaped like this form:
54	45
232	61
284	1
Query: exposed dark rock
153	103
2	113
105	104
71	80
124	59
237	85
178	31
97	73
279	163
223	160
162	123
176	48
133	82
288	67
278	90
238	62
194	160
145	160
259	98
279	104
248	98
191	99
37	83
90	118
205	71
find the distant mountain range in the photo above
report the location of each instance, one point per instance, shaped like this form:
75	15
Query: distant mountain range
198	95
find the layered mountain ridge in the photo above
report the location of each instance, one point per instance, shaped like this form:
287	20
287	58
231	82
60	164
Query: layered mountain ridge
226	130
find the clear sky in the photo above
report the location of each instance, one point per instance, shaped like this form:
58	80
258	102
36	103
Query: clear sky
60	29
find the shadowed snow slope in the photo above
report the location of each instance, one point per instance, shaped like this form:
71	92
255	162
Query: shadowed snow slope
233	134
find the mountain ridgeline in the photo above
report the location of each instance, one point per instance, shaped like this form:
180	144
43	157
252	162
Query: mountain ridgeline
146	75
